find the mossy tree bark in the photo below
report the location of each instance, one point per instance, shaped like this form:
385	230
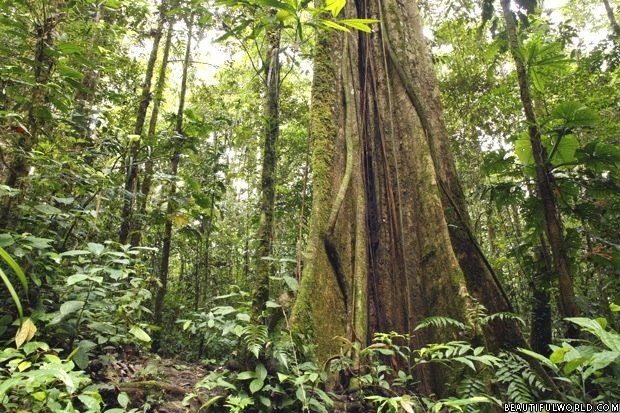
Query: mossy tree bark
379	256
271	122
390	240
131	165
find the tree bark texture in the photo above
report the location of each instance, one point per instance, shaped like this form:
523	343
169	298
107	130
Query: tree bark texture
379	256
264	267
131	166
412	61
544	178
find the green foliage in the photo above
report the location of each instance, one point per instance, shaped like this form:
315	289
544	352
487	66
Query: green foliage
33	378
266	370
7	282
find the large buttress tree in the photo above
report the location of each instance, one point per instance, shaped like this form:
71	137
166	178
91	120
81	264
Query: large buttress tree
389	241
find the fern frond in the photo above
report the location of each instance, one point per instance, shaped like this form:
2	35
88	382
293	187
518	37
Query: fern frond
255	337
503	316
441	322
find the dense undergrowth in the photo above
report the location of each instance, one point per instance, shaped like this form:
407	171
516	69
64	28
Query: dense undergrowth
256	369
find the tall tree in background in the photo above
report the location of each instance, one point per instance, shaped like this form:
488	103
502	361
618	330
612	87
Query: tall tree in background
171	207
131	164
46	17
615	27
145	186
271	130
544	177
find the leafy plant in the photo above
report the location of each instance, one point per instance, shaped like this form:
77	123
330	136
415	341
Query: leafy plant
35	379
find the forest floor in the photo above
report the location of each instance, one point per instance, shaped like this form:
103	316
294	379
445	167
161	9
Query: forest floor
148	380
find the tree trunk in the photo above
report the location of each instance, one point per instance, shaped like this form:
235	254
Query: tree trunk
264	267
544	179
379	255
412	61
43	68
145	187
541	323
171	207
85	96
612	18
131	166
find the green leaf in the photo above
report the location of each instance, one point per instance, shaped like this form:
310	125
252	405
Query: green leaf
256	385
76	278
74	253
123	400
291	283
90	402
6	240
610	339
95	248
71	307
243	317
246	375
333	25
69	48
614	307
544	360
261	372
564	151
264	401
15	267
523	149
335	6
12	292
47	209
359	24
140	334
575	114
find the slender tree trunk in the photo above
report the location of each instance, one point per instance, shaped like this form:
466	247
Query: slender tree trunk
264	267
43	67
145	187
84	97
171	207
544	179
612	18
131	166
541	327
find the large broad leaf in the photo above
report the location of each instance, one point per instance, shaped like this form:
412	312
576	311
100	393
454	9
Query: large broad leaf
47	209
95	248
575	115
564	151
523	149
610	339
599	156
140	334
71	307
